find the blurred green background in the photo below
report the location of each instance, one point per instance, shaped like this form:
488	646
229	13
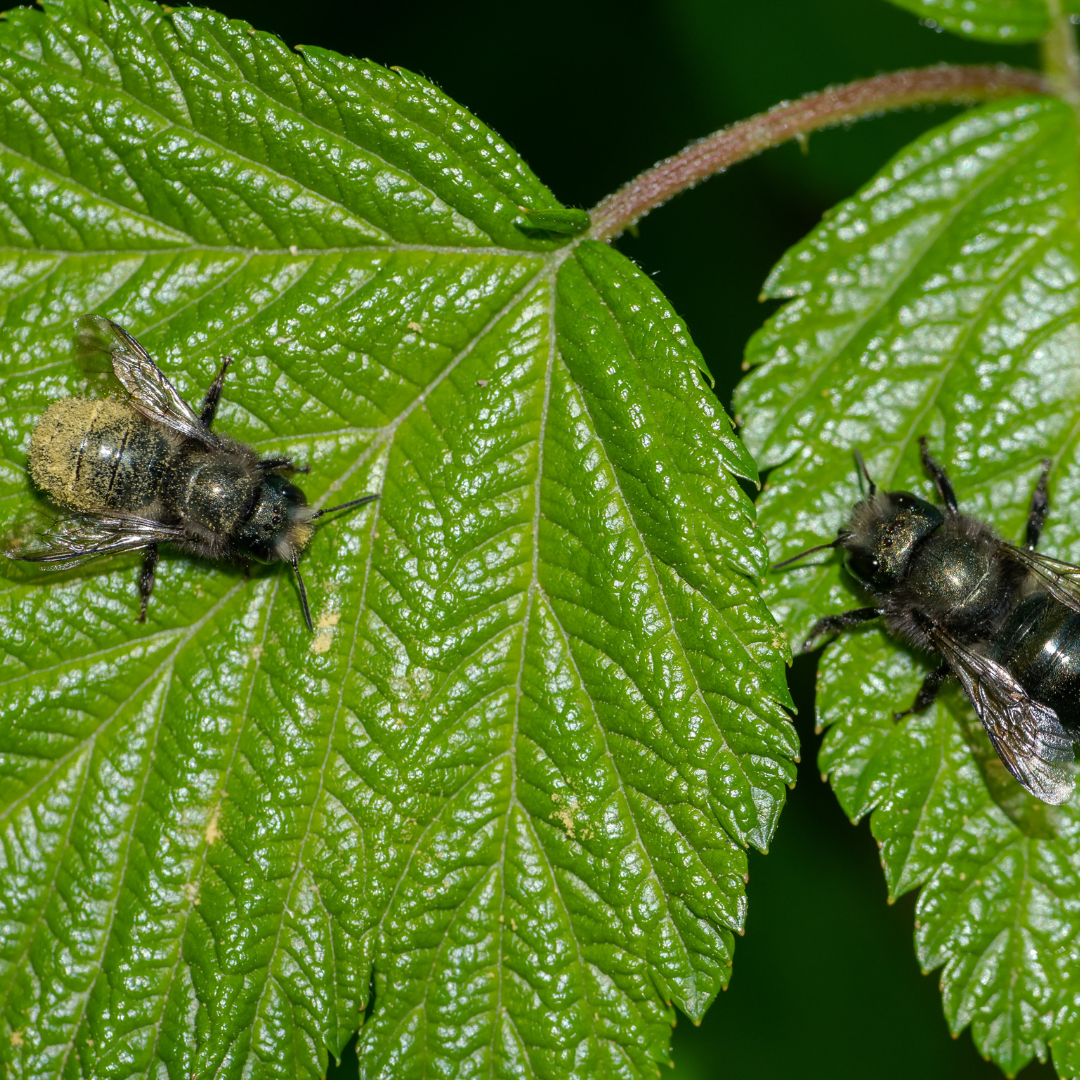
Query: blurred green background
590	92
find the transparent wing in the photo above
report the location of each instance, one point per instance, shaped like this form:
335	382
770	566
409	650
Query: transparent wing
1060	579
151	392
87	536
1028	737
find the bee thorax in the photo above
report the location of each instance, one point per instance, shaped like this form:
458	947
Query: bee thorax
957	580
216	492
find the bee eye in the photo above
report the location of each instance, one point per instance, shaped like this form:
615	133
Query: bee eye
863	565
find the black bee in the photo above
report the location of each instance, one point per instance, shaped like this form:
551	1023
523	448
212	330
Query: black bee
145	470
1004	620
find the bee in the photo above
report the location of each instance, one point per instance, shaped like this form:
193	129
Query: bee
1005	620
146	469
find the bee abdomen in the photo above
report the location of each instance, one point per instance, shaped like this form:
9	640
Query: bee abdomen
93	454
1041	647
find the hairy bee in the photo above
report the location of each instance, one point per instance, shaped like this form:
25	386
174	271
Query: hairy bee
1004	620
145	470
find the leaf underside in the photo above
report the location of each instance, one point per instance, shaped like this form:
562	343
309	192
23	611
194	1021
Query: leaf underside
511	781
943	300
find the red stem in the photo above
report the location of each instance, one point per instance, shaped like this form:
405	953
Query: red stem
940	85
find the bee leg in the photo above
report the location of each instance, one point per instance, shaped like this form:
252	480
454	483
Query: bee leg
948	497
1040	503
213	395
146	578
927	692
282	464
833	624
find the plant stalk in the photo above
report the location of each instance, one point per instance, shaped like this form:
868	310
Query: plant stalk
940	85
1061	62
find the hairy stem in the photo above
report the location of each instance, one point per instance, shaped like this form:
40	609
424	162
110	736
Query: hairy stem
1059	55
940	85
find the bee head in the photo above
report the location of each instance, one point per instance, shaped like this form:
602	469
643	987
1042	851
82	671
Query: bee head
884	530
279	524
881	535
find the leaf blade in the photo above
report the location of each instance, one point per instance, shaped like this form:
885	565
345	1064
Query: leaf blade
941	300
1012	21
459	787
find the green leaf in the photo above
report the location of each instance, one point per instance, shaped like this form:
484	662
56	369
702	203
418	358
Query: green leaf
1010	21
943	300
511	780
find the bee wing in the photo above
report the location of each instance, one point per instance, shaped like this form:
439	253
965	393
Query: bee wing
89	535
1028	737
1060	579
151	392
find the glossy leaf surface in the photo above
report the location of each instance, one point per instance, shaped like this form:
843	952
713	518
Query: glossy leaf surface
1007	21
511	780
943	300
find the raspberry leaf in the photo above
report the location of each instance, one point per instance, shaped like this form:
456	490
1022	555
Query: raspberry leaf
510	782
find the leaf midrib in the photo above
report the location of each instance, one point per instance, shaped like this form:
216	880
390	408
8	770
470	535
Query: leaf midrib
532	589
513	804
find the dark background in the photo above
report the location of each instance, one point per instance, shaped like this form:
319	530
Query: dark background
590	92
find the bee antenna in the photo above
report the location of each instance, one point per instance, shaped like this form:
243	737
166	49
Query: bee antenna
303	592
342	506
809	551
862	469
